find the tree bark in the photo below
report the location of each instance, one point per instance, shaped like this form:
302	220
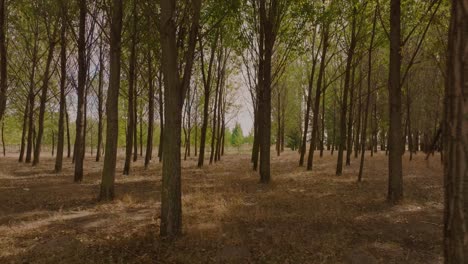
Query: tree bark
308	103
100	98
344	105
318	90
207	78
80	112
456	138
110	156
395	181
63	85
366	112
43	101
174	93
131	131
3	59
149	140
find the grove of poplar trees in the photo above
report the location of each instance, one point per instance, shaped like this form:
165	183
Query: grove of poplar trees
164	81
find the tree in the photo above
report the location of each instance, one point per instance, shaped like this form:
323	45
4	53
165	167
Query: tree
456	138
174	93
110	158
80	112
63	84
395	186
3	59
131	113
237	137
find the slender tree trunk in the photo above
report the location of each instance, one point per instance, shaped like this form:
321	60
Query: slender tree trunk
278	123
344	105
207	79
23	133
110	156
135	122
149	140
43	101
80	113
67	120
322	126
161	116
131	133
63	85
100	100
359	117
366	112
318	91
349	146
31	97
308	103
3	59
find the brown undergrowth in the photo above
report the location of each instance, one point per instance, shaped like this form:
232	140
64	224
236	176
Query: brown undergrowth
301	217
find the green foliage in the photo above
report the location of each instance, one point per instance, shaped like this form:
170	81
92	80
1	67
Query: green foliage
237	137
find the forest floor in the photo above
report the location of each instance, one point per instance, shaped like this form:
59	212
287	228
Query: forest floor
228	217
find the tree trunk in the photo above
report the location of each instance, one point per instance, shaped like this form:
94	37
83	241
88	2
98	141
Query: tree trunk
110	156
344	105
308	103
161	116
456	138
63	85
149	140
366	112
3	59
100	99
349	146
318	90
207	79
174	92
31	97
43	101
80	113
23	133
395	181
131	131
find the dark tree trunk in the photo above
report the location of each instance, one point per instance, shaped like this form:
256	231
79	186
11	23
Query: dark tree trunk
308	103
43	101
131	131
456	138
63	85
161	115
149	140
207	80
110	156
67	120
349	146
366	112
344	105
100	99
23	133
174	93
31	98
80	112
268	21
395	181
318	91
3	59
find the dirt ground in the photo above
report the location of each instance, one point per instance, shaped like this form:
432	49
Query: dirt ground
301	217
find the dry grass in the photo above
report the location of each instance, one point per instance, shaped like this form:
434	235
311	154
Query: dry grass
301	217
